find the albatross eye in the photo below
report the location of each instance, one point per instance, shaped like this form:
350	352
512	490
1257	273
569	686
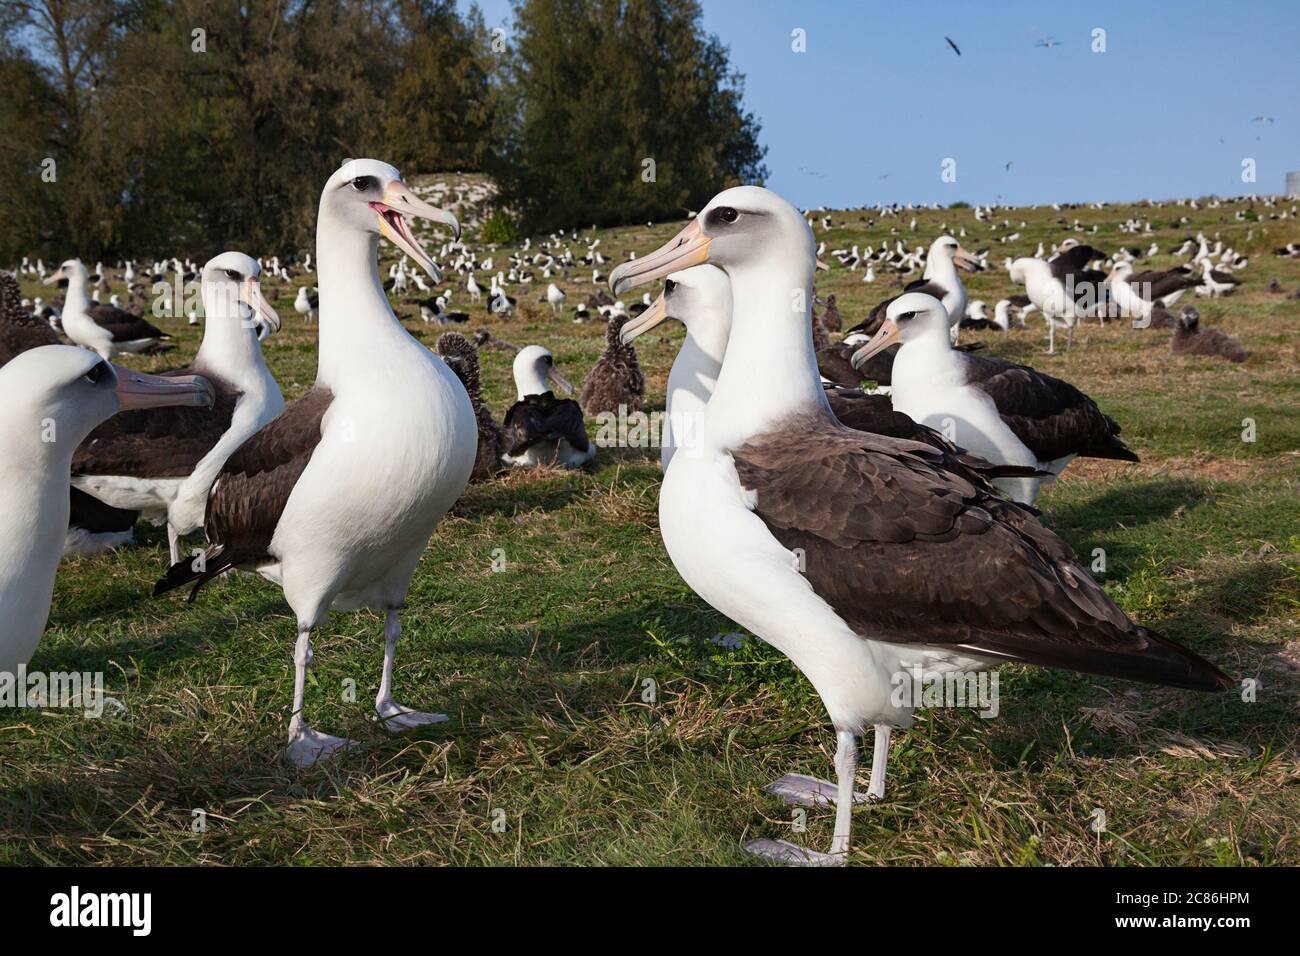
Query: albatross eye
362	183
906	315
232	274
728	214
669	285
97	373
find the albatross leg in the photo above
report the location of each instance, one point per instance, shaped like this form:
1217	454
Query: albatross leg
878	761
846	767
306	746
1051	337
393	715
174	543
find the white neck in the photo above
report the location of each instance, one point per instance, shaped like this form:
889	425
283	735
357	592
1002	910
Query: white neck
769	372
77	298
229	348
354	312
530	381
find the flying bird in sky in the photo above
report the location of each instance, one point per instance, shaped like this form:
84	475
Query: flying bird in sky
1262	119
1009	162
954	46
1048	42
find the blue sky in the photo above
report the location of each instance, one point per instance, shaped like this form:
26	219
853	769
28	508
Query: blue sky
878	101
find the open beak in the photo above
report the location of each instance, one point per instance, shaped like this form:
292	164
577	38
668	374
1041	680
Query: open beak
138	390
559	380
54	276
885	336
647	320
965	260
688	248
399	202
251	296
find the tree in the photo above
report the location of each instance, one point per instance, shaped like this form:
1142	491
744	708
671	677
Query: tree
439	109
624	110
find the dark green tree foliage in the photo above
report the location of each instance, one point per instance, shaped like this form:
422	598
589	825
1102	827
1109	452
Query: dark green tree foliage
601	86
184	127
168	141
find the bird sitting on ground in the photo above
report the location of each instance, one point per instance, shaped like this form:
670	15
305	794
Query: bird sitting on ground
540	428
1190	339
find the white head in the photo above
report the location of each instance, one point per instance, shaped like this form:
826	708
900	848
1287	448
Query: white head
700	299
948	249
533	367
743	228
909	318
231	290
70	269
55	395
368	196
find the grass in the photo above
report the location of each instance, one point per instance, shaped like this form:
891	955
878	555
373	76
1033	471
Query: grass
557	752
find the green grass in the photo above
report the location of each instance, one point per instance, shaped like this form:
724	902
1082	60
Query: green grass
542	666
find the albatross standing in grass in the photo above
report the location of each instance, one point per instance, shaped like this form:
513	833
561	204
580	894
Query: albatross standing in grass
905	555
162	463
335	500
1006	413
103	328
50	399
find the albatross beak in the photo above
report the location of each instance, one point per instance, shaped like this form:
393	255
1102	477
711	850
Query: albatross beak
690	247
559	380
399	202
965	260
54	277
252	297
138	390
885	336
644	322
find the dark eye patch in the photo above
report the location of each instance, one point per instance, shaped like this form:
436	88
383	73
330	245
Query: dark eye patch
669	285
362	183
97	373
232	274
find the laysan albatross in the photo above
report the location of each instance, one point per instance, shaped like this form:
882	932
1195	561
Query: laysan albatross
540	428
856	555
336	499
50	399
1006	413
162	463
105	329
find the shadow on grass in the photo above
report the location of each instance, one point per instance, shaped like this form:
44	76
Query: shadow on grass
1131	504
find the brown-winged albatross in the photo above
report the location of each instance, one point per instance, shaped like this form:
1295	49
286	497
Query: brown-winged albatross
540	428
105	329
335	500
1007	413
162	463
1063	289
860	556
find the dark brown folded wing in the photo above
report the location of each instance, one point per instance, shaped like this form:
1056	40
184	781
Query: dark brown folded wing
909	545
544	418
250	494
1051	416
122	325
